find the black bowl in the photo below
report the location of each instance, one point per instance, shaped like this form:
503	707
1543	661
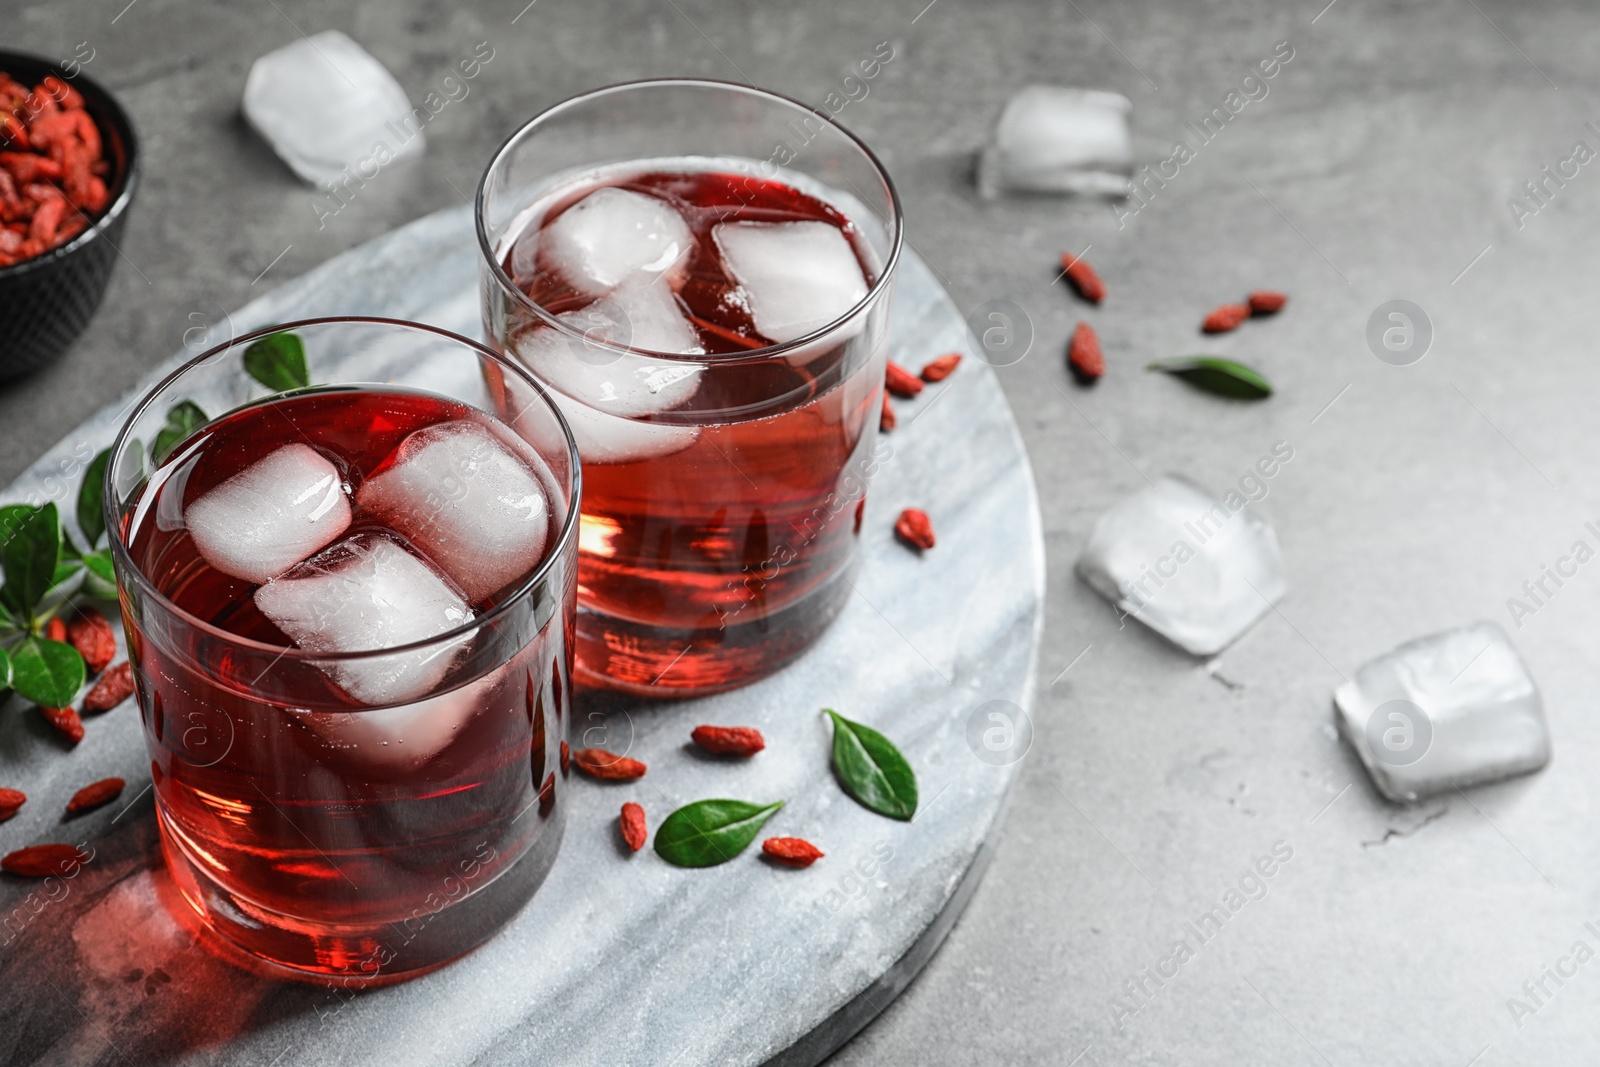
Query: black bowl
46	301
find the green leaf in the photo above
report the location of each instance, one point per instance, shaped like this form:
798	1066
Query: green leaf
1225	377
47	672
184	419
278	361
30	559
5	670
12	519
871	769
100	577
709	832
66	570
91	519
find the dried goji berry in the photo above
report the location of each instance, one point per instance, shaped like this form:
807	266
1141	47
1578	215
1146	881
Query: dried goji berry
729	740
48	137
791	851
55	630
47	218
115	686
861	510
95	794
1083	278
61	92
65	720
1225	318
901	382
598	763
940	369
632	825
43	861
92	636
1266	302
914	528
886	421
10	801
566	759
26	167
1083	354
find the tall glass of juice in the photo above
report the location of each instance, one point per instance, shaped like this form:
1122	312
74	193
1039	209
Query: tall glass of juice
701	274
349	607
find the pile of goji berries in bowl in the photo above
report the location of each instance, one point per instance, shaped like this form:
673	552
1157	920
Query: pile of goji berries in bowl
68	169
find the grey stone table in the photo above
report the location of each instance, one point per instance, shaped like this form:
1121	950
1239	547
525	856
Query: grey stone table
1379	165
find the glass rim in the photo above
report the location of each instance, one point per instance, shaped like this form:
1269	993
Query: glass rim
541	573
874	291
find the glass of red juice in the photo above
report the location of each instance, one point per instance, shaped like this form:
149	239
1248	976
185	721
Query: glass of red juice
349	607
701	274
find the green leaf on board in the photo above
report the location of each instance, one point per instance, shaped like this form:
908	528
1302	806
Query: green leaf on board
278	361
871	769
709	832
184	419
99	576
66	570
91	519
46	672
30	557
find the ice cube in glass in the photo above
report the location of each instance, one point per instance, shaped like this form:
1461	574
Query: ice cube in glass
469	499
363	594
271	515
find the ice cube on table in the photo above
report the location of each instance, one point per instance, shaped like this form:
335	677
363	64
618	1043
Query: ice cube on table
363	594
797	277
469	500
1052	139
325	105
1197	570
1445	711
271	515
611	234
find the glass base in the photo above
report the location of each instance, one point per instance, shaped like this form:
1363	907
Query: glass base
670	662
362	956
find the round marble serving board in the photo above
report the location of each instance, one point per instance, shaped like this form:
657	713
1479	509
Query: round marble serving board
620	958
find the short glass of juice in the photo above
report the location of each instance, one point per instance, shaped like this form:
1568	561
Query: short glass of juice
349	607
701	274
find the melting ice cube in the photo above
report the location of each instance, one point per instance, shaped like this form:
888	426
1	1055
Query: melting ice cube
404	737
1452	709
1197	570
608	235
325	105
271	515
461	495
601	390
367	593
640	315
797	276
1055	140
603	438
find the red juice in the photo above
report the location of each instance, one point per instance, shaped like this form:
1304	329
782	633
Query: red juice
365	835
720	518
